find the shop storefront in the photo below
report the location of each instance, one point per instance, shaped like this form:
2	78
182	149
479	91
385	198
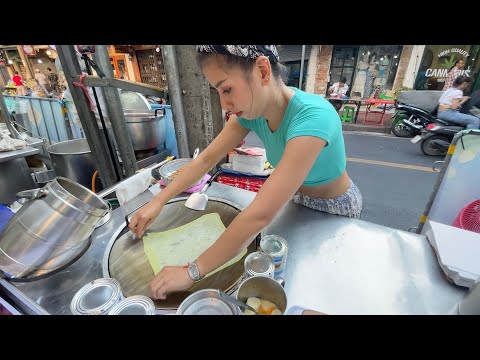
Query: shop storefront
366	68
42	58
437	61
141	63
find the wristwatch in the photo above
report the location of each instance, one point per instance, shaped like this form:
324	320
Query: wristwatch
194	272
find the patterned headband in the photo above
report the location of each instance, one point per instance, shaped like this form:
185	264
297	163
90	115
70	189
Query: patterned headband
245	51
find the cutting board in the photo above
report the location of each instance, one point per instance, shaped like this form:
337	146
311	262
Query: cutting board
129	265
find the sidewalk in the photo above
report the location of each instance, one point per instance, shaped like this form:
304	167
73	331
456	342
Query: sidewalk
360	126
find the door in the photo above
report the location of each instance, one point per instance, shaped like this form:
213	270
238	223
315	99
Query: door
119	67
343	63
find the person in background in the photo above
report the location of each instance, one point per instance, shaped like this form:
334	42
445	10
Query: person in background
41	80
451	101
472	106
17	79
339	88
302	134
453	73
53	80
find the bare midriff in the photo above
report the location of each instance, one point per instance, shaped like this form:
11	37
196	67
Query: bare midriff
331	190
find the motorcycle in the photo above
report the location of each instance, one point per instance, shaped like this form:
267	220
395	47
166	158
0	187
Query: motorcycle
409	120
436	137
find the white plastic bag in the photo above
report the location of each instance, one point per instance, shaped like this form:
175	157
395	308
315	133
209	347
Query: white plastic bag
9	144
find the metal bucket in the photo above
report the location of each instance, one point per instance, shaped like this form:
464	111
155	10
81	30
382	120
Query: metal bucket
51	231
97	297
134	305
207	302
74	160
146	130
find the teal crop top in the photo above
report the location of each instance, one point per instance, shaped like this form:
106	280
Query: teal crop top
306	115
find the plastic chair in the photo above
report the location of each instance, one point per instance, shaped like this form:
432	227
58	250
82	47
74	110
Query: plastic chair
348	114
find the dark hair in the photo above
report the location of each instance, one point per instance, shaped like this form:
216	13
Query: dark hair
456	62
279	70
344	80
49	69
16	72
462	79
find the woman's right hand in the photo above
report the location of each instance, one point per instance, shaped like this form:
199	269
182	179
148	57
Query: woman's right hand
144	217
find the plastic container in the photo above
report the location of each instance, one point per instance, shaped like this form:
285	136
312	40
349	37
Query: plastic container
469	217
5	215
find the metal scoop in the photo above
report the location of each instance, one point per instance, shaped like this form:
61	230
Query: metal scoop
232	300
198	201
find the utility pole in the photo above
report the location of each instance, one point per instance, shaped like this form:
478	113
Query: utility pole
201	102
300	80
175	94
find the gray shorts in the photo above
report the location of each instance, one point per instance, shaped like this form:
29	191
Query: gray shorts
348	204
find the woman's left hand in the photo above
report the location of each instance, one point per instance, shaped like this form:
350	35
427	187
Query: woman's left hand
169	279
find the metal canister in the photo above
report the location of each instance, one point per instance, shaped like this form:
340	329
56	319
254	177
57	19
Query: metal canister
277	248
207	302
259	263
97	297
134	305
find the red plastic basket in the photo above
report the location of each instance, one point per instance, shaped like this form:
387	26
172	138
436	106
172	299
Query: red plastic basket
469	217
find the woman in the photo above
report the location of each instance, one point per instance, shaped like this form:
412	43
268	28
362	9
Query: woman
18	81
451	101
303	138
453	73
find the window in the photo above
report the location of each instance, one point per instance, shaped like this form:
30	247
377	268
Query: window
437	61
343	64
376	68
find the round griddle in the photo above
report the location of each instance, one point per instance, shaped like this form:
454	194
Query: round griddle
128	263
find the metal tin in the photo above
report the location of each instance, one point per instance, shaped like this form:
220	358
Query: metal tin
97	297
259	263
134	305
277	248
207	302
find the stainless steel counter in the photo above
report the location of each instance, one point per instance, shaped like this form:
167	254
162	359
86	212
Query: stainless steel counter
339	265
335	265
15	173
15	154
54	293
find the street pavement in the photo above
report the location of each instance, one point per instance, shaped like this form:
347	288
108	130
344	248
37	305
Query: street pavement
393	175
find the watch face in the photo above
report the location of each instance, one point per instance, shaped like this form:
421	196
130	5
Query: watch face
192	271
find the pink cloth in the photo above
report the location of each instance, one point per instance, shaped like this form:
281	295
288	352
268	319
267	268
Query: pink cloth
193	188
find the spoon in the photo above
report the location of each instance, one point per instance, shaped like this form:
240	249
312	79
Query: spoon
237	302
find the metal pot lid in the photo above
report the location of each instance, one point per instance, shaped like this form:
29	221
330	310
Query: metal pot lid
97	297
206	302
134	305
259	263
134	101
70	147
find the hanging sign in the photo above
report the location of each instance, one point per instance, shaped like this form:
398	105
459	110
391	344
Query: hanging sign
29	50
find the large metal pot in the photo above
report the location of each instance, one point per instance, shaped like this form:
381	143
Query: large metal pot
50	231
146	129
74	160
